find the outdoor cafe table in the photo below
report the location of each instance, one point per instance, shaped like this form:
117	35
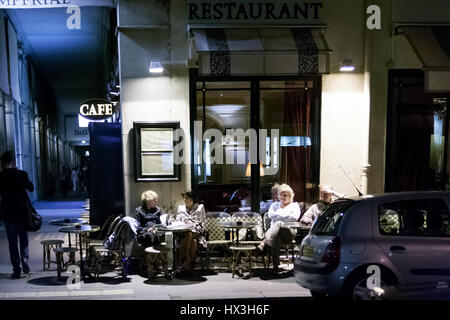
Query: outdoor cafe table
175	229
236	225
80	229
302	229
67	223
295	225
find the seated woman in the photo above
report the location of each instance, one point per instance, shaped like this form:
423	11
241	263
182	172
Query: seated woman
325	197
190	213
148	214
284	211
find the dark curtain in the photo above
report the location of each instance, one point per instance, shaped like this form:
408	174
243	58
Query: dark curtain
413	166
296	160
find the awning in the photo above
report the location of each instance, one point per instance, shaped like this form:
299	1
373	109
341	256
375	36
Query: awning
260	51
432	46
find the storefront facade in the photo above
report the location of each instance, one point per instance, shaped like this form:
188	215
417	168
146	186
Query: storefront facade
257	65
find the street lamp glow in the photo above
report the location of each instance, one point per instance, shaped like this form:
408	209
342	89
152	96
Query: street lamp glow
156	67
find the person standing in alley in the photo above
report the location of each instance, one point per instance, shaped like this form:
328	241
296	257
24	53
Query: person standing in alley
14	211
74	177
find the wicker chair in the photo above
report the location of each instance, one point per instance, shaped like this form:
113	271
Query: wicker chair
216	234
248	216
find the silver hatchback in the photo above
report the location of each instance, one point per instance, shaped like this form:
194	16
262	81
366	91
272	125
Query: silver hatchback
399	242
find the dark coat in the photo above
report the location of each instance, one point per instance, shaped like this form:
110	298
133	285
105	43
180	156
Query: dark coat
15	204
147	218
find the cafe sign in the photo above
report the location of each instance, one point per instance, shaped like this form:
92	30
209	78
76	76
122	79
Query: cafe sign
254	11
96	109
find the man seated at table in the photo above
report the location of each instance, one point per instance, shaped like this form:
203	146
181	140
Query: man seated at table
191	213
265	205
326	194
286	211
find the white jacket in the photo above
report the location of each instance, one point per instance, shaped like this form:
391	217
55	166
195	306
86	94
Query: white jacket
290	213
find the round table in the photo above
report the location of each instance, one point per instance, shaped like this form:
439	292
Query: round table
235	226
175	230
80	229
67	223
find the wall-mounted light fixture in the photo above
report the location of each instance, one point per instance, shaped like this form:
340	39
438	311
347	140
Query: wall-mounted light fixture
156	67
346	66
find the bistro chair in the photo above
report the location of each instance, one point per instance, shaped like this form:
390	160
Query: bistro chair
249	216
215	234
106	229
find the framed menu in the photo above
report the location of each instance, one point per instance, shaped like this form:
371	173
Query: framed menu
155	151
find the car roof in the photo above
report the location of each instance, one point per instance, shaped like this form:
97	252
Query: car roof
401	195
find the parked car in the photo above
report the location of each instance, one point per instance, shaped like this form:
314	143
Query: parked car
406	236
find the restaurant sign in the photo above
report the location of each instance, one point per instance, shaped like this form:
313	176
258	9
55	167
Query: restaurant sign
96	109
251	11
35	4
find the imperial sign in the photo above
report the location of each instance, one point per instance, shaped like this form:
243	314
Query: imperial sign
96	109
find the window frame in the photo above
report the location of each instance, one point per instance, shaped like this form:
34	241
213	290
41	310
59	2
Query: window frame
255	89
163	125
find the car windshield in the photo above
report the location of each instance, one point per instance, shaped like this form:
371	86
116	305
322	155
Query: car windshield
330	219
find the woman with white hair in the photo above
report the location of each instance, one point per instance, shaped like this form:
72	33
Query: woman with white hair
286	211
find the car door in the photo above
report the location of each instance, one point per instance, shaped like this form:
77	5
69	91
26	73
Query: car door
415	236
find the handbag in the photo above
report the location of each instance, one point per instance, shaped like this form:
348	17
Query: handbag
34	219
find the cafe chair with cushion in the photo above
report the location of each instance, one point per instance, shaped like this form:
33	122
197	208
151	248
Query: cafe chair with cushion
215	234
102	259
106	229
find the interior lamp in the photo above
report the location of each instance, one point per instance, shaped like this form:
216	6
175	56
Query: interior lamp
248	170
156	67
346	66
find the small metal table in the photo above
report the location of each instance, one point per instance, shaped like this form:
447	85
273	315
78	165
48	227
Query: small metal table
175	230
67	223
80	229
235	226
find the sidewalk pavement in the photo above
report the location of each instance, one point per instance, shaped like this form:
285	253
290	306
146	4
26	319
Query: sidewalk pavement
43	285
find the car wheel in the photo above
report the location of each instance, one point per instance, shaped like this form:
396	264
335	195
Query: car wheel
356	287
318	295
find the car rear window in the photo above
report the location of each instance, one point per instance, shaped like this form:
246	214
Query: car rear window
329	221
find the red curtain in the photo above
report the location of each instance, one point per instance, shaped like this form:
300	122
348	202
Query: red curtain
296	160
